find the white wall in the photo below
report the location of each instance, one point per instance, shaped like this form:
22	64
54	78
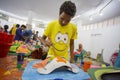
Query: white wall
104	35
4	22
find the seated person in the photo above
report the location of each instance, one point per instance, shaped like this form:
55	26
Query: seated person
26	35
117	61
1	29
79	53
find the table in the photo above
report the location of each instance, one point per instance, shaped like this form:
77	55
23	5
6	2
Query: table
32	74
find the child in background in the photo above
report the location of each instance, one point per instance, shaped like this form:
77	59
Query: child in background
1	29
79	53
18	35
117	61
6	28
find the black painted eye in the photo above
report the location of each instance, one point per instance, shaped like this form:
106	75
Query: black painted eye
58	37
65	38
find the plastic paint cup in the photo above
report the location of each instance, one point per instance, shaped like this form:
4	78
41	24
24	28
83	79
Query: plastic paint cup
19	66
87	65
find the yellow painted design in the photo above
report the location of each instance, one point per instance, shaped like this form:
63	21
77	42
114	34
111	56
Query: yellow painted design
7	73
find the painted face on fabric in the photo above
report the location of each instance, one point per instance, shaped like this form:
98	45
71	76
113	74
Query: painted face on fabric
61	41
64	19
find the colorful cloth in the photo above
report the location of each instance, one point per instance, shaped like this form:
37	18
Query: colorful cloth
23	49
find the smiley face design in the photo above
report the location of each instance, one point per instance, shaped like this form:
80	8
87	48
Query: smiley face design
61	41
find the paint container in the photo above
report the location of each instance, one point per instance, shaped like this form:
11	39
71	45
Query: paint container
87	65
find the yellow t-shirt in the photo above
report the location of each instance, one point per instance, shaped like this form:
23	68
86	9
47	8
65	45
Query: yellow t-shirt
60	37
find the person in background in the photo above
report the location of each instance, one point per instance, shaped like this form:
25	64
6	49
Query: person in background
19	35
35	36
79	53
6	28
61	33
14	28
1	29
117	60
27	35
33	33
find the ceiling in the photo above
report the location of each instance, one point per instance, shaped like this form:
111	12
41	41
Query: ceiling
47	10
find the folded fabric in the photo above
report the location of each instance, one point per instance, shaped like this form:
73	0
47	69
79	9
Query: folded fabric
13	48
57	63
